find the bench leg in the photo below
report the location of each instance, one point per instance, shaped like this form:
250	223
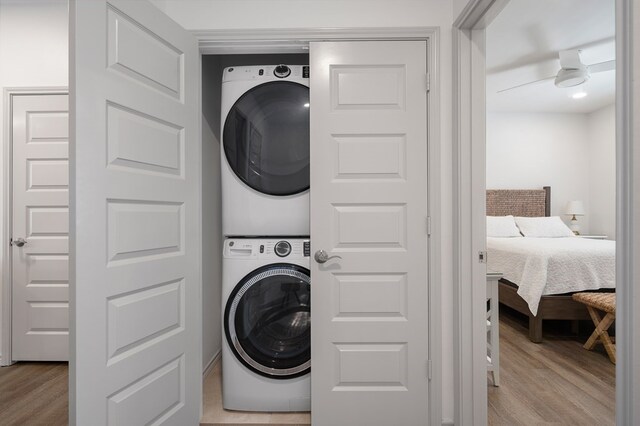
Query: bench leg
535	329
601	333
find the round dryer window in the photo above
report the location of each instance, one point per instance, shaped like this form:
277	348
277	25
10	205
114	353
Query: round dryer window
268	321
266	138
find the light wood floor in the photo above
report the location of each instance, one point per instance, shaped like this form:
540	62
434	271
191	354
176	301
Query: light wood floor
214	414
34	393
555	382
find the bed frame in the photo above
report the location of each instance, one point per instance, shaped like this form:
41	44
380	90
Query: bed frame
531	203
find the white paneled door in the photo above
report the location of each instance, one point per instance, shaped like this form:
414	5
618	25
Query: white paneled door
135	203
368	214
40	227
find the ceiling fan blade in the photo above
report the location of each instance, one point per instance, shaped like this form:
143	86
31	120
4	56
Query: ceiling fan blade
570	59
528	84
602	66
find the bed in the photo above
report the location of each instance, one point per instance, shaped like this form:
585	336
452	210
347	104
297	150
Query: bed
540	274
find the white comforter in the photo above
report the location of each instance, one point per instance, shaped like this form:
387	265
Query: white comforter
542	266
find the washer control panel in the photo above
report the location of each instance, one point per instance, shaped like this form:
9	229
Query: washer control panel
239	248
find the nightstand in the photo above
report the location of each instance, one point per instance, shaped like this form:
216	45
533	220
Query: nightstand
593	237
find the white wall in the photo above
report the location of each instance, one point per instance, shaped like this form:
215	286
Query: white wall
33	52
572	153
458	7
211	222
247	14
211	246
602	171
532	150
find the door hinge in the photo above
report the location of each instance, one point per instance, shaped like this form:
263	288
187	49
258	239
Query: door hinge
428	82
429	372
482	256
429	226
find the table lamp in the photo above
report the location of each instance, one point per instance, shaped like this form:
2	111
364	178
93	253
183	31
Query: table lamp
575	208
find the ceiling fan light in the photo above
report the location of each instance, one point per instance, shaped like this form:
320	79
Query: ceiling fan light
570	78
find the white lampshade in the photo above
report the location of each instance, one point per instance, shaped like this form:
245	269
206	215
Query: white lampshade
575	208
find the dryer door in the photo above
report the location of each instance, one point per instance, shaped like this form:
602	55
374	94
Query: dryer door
268	321
266	138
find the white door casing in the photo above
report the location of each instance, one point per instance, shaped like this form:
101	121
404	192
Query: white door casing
135	212
40	217
369	206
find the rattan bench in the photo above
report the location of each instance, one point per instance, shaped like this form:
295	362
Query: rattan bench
595	302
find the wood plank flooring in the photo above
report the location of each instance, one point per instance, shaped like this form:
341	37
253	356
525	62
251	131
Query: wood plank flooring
555	382
34	393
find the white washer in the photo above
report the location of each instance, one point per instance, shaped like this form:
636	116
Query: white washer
266	344
265	150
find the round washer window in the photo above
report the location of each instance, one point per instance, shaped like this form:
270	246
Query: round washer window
266	138
268	321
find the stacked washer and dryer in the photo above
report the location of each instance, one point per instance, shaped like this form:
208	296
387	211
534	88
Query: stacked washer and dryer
266	286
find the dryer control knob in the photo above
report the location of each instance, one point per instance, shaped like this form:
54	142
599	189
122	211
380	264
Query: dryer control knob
281	71
282	248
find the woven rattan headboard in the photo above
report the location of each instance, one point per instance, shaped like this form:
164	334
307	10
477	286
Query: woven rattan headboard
519	202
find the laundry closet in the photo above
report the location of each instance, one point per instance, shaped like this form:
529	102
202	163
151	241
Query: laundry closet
148	242
258	109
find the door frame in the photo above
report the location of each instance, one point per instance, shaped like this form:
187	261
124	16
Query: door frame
469	121
469	207
219	42
6	293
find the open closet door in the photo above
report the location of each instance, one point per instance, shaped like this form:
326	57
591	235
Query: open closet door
369	303
135	217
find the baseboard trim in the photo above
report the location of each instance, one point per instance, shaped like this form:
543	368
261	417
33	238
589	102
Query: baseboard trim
212	363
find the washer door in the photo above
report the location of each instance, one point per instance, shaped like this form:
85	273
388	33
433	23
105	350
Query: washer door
267	321
266	138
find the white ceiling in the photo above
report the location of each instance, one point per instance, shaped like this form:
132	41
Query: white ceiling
523	44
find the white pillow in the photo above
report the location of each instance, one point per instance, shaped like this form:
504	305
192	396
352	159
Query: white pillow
502	226
543	227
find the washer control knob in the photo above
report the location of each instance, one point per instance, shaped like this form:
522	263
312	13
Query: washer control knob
282	248
281	71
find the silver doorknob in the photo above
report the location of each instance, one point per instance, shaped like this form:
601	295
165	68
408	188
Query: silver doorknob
18	242
322	256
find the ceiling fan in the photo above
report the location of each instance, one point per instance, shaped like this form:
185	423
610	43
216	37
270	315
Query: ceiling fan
572	71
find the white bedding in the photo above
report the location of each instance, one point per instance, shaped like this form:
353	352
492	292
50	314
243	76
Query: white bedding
542	266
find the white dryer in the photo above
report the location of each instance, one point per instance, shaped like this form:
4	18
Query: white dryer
265	150
266	348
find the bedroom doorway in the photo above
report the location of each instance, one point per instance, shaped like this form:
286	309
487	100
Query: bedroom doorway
550	203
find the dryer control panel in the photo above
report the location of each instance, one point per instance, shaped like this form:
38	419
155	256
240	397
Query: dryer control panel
265	72
276	248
